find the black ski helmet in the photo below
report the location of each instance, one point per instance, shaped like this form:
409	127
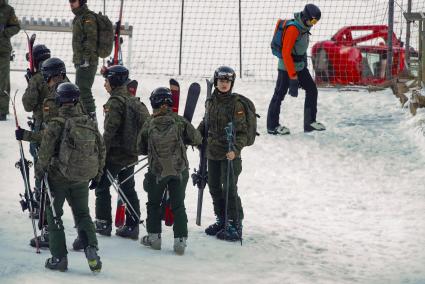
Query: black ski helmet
39	53
161	96
67	93
226	73
117	75
310	12
52	67
83	2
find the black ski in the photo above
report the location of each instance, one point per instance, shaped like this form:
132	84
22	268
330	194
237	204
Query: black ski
191	101
175	94
200	176
30	42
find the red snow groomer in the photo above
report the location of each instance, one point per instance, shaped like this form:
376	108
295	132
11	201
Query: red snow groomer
356	55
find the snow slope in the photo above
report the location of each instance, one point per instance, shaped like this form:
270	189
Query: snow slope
342	206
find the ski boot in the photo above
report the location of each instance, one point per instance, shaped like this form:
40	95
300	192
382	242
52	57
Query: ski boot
103	227
93	259
314	126
213	229
77	245
43	240
180	245
152	240
130	232
57	263
232	233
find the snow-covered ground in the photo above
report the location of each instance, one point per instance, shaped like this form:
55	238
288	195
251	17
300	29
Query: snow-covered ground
342	206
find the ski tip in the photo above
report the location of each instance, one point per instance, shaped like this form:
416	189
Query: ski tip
173	82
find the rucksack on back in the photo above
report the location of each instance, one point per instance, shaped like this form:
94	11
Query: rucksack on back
79	153
166	149
136	114
279	32
105	35
251	118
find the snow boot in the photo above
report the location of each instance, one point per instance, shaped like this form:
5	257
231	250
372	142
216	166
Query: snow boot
180	245
279	130
103	227
93	259
43	240
77	244
130	232
152	240
232	233
213	229
314	126
57	263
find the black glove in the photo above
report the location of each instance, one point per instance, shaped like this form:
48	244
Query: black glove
293	87
19	133
93	183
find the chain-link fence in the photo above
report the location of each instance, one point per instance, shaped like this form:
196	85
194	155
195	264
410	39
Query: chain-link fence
190	37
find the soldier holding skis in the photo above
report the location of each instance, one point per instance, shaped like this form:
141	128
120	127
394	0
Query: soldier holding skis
9	26
164	139
119	135
221	109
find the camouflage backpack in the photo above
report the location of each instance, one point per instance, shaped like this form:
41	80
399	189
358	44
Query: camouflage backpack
136	114
166	149
251	118
78	158
105	35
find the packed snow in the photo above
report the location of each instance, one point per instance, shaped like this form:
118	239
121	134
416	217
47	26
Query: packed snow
341	206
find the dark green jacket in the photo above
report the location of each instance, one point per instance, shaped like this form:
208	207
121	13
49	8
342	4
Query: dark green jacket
220	110
301	45
50	143
115	114
9	26
37	90
84	36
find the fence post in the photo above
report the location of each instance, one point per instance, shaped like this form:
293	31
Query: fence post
408	23
390	39
422	49
181	39
240	38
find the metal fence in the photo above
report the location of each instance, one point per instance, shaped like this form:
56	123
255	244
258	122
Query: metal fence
193	37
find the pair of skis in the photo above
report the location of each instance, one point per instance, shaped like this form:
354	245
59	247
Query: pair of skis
189	110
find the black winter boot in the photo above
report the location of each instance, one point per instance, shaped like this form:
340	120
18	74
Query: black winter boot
130	232
93	259
103	227
232	233
213	229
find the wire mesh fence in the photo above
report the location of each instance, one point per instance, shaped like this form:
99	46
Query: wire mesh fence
191	37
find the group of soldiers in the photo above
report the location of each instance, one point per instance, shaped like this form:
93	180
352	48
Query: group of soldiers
71	156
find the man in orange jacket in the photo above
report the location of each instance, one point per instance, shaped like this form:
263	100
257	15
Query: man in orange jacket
293	72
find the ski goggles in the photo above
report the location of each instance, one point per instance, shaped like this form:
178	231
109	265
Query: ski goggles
225	76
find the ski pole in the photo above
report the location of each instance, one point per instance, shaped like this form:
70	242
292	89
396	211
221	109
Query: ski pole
229	137
133	174
49	193
133	164
119	191
24	167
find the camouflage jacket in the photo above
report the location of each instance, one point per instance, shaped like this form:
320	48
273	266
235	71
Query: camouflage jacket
220	110
9	26
191	135
49	148
37	90
84	36
114	111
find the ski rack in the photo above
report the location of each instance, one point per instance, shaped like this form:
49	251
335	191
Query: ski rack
65	26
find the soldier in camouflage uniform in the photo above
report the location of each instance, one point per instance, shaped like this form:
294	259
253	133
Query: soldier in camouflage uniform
68	173
9	26
164	138
116	138
222	108
85	57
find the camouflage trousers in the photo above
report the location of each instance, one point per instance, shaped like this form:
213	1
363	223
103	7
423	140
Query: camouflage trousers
77	195
4	82
177	189
84	79
217	183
